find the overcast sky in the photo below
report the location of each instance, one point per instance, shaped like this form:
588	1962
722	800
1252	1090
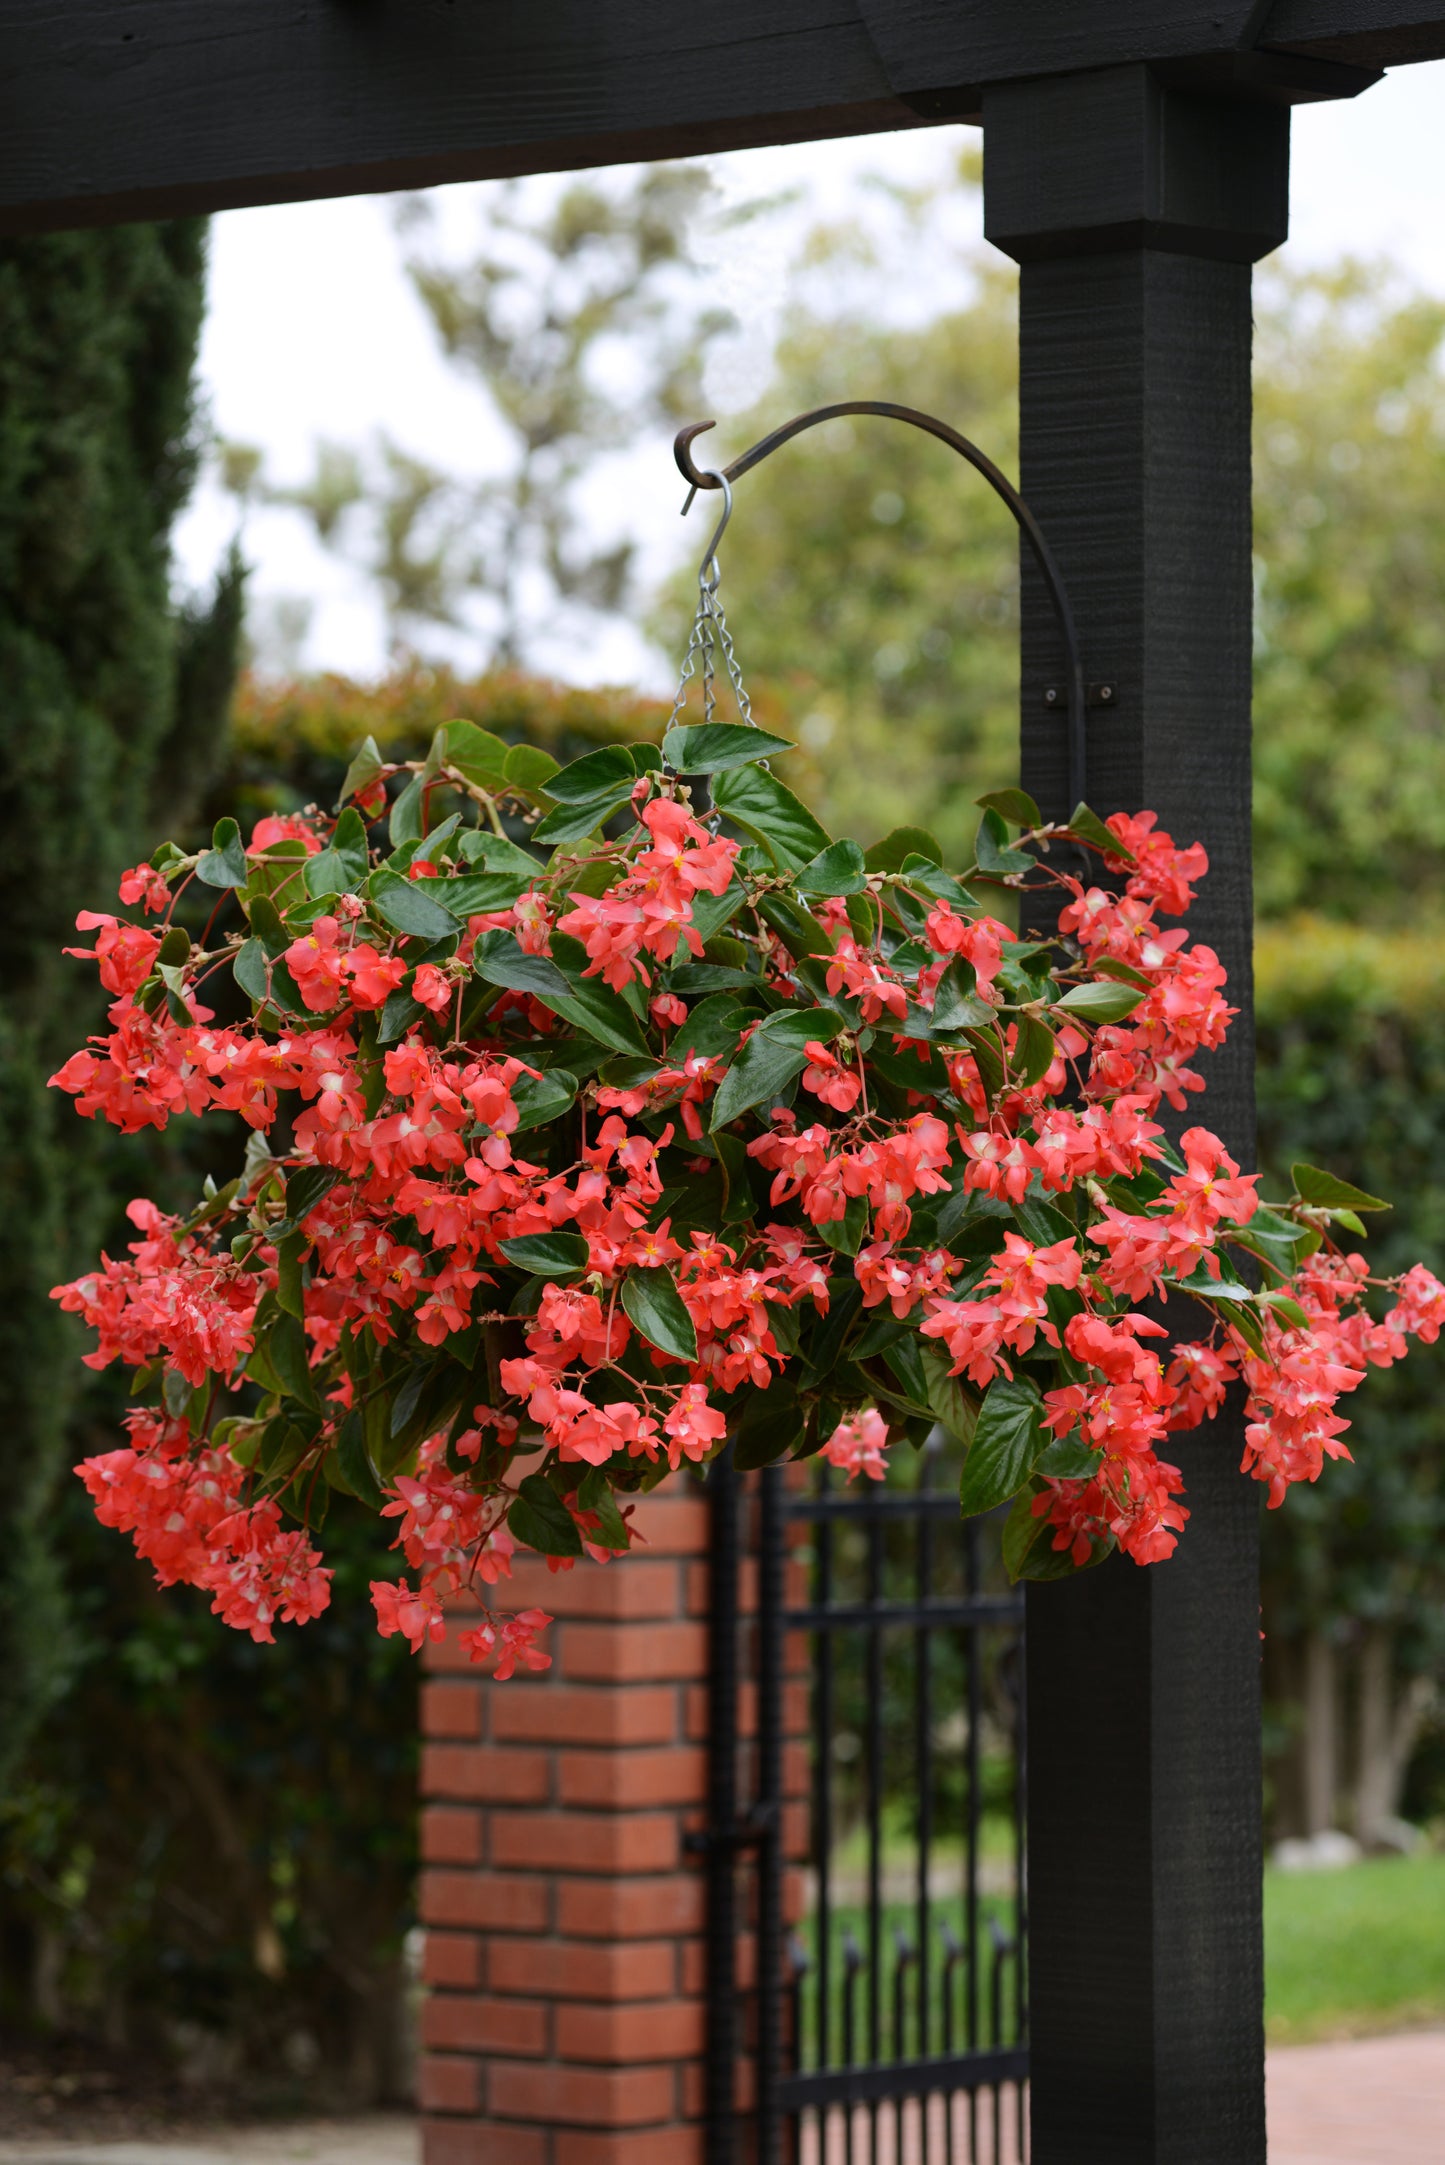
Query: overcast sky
313	331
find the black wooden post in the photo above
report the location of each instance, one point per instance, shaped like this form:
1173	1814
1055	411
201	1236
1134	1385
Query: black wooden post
1136	211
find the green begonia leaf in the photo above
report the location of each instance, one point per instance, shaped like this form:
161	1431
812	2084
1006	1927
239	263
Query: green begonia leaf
1099	1003
596	774
404	822
1033	1055
656	1308
1006	1443
992	850
770	1424
549	1255
837	870
898	845
366	764
1090	828
249	970
406	906
766	808
574	822
769	1060
1324	1192
500	959
529	767
1015	805
540	1100
224	863
541	1520
476	753
956	1005
713	747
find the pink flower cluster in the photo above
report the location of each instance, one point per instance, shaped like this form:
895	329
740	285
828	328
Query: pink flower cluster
544	1313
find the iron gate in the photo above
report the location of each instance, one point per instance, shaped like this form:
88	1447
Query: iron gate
884	2016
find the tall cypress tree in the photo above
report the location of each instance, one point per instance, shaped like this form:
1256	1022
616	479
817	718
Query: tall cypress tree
112	706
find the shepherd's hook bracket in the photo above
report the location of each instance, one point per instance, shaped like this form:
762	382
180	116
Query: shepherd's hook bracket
1075	697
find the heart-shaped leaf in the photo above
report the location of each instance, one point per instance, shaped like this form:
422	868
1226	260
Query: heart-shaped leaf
993	851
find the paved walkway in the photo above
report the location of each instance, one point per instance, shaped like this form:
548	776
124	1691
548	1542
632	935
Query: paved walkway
1370	2101
373	2141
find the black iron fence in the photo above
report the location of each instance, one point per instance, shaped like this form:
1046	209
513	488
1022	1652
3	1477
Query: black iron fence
883	2014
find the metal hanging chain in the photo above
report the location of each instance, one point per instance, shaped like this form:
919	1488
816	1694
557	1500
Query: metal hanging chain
710	634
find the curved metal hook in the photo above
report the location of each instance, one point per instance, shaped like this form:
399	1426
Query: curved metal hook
709	563
701	477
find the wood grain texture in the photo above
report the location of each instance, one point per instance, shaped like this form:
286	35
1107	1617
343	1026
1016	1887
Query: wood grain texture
131	108
118	109
1116	158
1143	1684
993	41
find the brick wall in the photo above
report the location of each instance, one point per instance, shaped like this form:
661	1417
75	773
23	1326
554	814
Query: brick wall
564	1954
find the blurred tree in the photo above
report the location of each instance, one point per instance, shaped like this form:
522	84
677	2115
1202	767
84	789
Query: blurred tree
578	326
1350	544
111	717
873	583
870	579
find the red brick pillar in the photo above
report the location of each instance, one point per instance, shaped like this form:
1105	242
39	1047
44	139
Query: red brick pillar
564	2021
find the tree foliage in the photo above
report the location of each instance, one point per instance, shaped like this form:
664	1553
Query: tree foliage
1350	637
113	707
578	325
872	583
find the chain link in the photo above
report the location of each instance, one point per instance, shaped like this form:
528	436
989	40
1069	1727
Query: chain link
710	636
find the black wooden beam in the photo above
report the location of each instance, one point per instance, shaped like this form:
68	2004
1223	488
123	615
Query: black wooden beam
1136	211
1361	33
116	109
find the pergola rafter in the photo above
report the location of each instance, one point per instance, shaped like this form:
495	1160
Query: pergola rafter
118	109
1137	165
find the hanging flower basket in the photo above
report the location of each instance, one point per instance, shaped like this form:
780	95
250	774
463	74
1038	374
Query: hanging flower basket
561	1173
664	1118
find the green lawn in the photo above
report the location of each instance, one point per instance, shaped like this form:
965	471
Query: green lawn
1354	1950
